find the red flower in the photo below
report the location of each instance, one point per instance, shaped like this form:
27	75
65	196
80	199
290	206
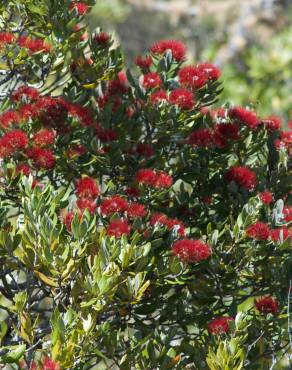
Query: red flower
23	168
272	123
158	218
154	178
12	141
201	138
86	203
81	7
145	150
267	304
42	158
118	86
28	111
192	77
209	70
86	187
113	205
183	98
281	233
132	192
158	96
198	76
163	180
33	366
151	80
285	140
174	223
117	228
243	176
83	114
146	176
144	62
218	113
5	151
287	212
102	38
49	364
6	38
106	135
259	231
67	219
136	210
44	137
8	118
190	251
225	132
220	325
34	45
266	197
245	117
16	139
45	103
177	49
25	91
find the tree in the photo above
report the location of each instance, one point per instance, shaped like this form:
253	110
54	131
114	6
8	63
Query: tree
140	227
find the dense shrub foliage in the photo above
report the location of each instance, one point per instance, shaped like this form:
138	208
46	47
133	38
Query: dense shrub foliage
141	228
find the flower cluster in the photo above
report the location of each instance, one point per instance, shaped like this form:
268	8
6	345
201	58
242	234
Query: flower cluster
158	97
151	80
197	76
46	364
287	212
191	251
262	232
266	197
44	137
284	141
118	228
25	93
153	178
11	142
259	231
266	305
87	192
242	176
169	223
34	45
6	38
177	48
245	117
219	136
102	38
280	234
220	325
42	158
144	62
182	98
115	204
272	123
80	7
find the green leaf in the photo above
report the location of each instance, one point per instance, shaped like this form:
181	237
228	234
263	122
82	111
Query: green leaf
14	354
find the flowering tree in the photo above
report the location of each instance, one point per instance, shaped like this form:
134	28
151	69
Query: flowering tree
141	228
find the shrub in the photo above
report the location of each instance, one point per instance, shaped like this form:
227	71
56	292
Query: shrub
140	227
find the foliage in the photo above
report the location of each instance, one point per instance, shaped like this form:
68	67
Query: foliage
141	228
